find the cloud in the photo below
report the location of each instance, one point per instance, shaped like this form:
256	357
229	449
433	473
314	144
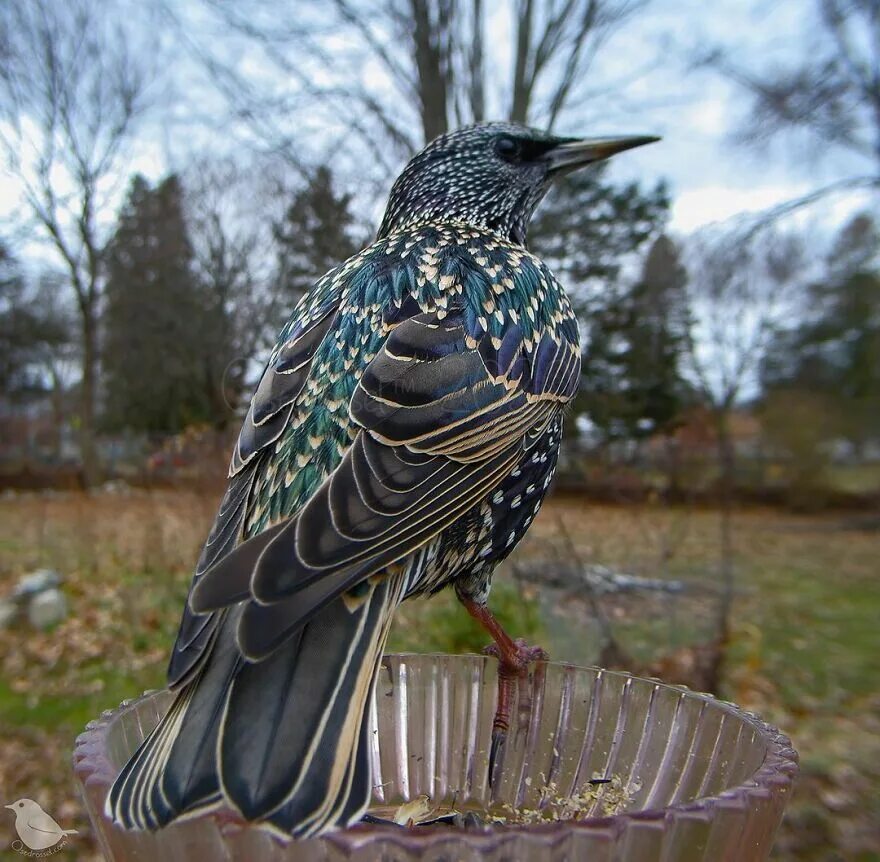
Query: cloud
695	207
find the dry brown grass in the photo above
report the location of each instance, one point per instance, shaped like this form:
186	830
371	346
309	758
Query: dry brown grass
804	652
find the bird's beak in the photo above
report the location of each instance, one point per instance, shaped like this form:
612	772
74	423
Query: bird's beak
10	807
573	154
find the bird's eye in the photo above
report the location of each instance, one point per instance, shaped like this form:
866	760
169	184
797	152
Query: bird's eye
508	149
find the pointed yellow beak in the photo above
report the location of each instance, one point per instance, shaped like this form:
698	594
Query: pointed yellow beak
578	153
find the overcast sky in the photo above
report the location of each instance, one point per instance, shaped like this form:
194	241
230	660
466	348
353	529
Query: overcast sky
695	111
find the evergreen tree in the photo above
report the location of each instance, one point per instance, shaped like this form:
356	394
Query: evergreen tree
586	227
317	233
157	374
632	383
836	350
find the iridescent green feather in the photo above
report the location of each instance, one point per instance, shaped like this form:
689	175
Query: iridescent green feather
498	284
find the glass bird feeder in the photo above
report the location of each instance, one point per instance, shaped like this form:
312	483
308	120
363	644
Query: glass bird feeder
597	766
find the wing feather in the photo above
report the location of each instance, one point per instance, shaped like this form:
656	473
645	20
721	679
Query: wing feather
442	423
283	379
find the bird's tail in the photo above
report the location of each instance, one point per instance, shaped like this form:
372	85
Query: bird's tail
282	740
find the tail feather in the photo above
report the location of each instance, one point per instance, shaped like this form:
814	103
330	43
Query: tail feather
284	739
295	719
135	799
187	781
174	769
350	803
335	785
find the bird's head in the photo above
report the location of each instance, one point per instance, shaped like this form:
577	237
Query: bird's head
490	175
21	805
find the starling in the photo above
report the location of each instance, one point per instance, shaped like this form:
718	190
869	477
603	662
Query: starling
401	439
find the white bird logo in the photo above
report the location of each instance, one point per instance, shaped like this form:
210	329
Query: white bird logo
37	830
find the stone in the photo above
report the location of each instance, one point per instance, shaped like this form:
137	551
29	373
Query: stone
47	609
36	582
9	612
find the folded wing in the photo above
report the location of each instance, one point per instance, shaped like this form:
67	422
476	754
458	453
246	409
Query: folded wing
444	416
283	379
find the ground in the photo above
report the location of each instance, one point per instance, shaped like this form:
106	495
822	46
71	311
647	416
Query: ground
803	654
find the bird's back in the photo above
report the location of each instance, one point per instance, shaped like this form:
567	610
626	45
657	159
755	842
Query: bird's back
498	286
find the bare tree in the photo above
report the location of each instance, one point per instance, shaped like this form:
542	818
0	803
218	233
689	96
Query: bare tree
71	91
61	356
743	286
404	71
829	97
36	348
227	210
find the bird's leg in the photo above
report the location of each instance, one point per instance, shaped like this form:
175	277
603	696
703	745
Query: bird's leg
514	657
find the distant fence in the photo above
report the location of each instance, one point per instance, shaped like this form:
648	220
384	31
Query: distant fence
632	474
617	473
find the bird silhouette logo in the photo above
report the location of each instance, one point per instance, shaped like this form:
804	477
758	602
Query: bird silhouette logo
36	829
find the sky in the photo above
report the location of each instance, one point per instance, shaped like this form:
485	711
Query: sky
696	111
711	177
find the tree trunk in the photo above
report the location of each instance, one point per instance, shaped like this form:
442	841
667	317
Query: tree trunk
88	397
522	81
477	71
673	468
726	465
57	414
428	53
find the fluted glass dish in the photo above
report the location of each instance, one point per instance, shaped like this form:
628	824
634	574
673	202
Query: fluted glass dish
597	766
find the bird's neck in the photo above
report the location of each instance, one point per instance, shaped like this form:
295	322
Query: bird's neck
505	230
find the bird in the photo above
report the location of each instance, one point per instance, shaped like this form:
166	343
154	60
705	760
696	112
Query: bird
400	440
36	829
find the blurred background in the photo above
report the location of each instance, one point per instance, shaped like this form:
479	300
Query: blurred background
173	177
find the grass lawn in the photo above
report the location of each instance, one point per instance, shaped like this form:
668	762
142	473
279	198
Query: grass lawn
858	479
804	651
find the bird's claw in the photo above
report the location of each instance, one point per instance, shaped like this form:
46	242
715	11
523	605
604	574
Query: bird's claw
513	663
516	662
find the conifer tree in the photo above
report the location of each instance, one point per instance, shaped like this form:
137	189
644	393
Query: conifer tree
632	380
317	233
155	364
